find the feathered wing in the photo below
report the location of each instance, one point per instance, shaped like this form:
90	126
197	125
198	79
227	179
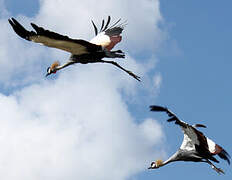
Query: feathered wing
107	36
172	116
54	40
190	137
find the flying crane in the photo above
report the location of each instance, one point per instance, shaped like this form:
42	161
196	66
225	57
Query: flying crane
82	51
196	147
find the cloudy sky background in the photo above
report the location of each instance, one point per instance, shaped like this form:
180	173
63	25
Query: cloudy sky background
92	121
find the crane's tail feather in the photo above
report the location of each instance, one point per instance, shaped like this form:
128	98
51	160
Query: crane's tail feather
199	125
224	155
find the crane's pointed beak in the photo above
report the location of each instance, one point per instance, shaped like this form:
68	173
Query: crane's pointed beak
47	74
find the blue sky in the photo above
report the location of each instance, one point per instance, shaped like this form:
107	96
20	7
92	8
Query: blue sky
196	78
193	61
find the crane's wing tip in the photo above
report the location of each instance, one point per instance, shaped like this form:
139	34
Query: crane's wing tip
11	19
157	108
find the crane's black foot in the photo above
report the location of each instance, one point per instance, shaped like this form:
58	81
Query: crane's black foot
218	170
115	54
133	75
119	54
119	51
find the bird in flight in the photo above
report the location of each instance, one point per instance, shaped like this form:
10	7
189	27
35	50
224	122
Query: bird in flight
196	147
82	51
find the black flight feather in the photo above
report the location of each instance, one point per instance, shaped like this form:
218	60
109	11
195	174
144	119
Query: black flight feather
20	30
224	155
107	24
158	108
172	119
199	125
95	28
103	23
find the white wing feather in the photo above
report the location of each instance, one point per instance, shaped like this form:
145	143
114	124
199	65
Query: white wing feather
101	39
190	139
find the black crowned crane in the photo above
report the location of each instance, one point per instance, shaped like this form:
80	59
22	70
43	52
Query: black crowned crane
81	51
195	147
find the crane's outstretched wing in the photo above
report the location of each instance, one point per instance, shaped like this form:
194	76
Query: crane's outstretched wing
107	36
172	116
54	40
194	139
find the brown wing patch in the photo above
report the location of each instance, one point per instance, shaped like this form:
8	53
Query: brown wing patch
218	149
69	46
113	41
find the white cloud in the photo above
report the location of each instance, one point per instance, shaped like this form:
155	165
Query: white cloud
77	130
77	126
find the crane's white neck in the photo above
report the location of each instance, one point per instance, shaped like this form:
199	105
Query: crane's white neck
64	65
173	158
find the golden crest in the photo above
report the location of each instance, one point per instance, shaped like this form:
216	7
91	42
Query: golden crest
158	163
54	65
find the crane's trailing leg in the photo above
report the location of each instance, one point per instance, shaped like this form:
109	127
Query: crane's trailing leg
127	71
218	170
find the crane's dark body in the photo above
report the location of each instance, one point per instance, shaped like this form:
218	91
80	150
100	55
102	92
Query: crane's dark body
88	58
93	57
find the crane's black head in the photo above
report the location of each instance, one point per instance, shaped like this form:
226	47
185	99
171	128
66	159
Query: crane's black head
50	71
